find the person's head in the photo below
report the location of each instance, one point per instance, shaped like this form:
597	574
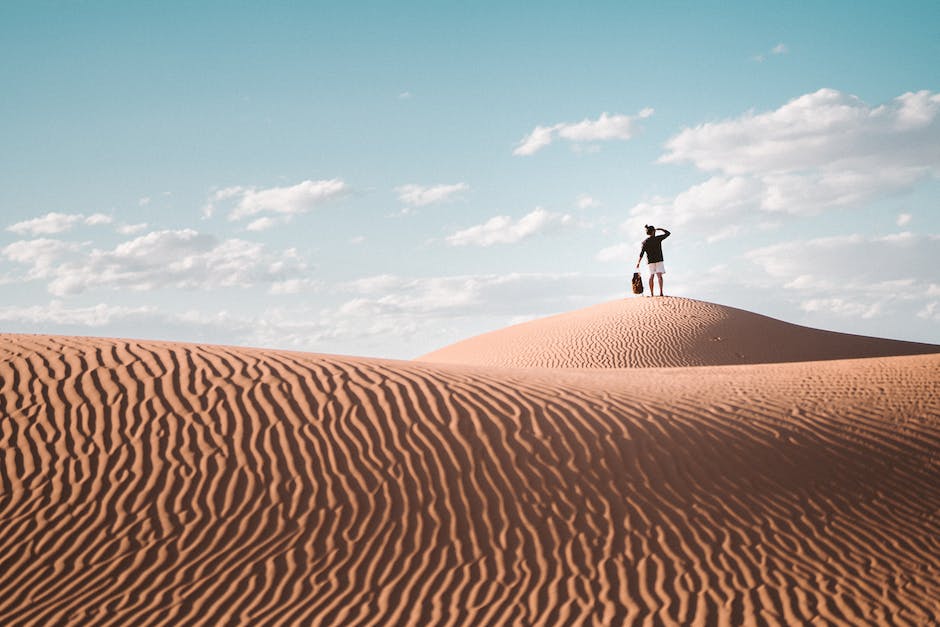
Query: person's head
650	229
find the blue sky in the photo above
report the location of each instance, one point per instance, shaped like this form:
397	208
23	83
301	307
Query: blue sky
384	178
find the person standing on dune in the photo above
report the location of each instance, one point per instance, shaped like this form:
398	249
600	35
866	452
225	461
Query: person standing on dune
653	249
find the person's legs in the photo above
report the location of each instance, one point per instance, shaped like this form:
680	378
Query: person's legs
660	275
651	284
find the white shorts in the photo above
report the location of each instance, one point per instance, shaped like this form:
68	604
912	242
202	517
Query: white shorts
657	267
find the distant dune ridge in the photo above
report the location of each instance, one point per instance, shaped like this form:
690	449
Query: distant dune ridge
663	332
149	483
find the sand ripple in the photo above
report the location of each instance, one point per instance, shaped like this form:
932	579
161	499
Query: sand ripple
662	332
169	484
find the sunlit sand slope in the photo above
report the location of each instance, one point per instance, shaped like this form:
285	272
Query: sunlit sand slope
656	332
149	483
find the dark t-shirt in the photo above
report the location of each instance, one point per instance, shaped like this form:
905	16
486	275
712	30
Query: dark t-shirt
653	247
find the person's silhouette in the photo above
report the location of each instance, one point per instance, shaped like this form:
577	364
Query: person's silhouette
653	249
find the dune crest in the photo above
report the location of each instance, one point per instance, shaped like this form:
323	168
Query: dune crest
148	483
662	332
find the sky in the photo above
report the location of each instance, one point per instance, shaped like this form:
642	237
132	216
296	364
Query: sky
385	178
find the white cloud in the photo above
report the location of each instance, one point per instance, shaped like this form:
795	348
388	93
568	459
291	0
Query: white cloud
842	307
46	225
182	259
41	255
420	195
818	152
53	223
264	223
296	286
413	315
375	283
779	49
904	219
132	229
585	201
849	275
292	200
475	294
220	196
56	313
732	230
504	230
717	197
398	316
419	296
97	219
931	311
603	128
713	205
540	137
617	252
606	127
827	131
852	258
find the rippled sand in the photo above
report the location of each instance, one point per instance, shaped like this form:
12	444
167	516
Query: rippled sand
663	332
149	483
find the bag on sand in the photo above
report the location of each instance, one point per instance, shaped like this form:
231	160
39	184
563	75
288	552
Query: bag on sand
637	283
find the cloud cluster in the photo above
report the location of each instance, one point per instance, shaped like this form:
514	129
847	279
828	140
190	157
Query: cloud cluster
183	259
132	229
618	252
283	202
54	222
464	295
826	130
850	276
58	314
820	151
385	314
420	196
845	259
505	230
42	256
605	127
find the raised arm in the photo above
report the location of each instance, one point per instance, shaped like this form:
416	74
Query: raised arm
667	233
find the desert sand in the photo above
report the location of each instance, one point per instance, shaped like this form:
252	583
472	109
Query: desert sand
149	483
663	332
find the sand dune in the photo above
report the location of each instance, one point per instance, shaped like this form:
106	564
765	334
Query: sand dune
663	332
150	483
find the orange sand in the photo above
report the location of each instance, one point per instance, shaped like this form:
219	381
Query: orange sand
663	332
150	483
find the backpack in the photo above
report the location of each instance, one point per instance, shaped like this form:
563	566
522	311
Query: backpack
637	283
